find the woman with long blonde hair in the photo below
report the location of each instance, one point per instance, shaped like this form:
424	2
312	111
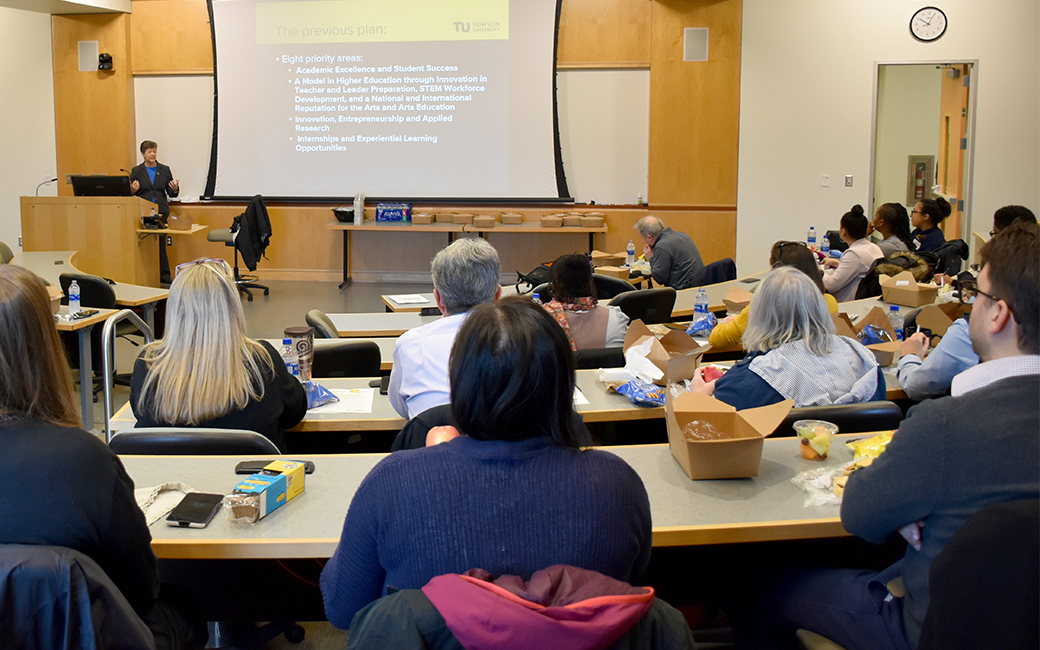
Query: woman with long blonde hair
205	371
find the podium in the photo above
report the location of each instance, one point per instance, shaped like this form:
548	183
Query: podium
102	229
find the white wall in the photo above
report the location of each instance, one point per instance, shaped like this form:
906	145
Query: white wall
909	102
806	100
26	115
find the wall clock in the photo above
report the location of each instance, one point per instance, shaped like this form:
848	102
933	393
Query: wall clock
928	24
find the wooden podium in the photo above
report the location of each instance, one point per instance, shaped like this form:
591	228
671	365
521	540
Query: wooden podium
102	229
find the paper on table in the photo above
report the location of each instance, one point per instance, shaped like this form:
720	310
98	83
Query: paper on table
351	400
579	397
409	299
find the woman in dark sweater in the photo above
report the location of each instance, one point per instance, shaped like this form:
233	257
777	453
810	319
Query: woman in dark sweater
205	372
512	495
925	218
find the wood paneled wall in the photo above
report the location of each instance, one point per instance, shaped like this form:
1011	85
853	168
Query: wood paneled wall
694	115
93	111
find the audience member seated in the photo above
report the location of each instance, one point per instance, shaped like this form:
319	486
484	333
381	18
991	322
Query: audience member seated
574	306
513	494
465	274
728	332
925	219
893	224
794	353
952	457
953	354
205	371
674	259
64	486
842	276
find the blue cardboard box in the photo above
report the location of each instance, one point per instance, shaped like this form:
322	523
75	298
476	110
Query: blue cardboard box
394	212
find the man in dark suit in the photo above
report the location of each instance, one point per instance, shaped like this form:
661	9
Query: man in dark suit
153	181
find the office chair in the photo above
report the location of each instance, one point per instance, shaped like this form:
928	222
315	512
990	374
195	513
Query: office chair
608	287
323	326
249	234
850	418
595	358
243	282
543	293
56	597
346	358
649	305
6	254
723	270
413	434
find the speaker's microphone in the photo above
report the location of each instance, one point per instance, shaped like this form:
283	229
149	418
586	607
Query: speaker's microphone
124	171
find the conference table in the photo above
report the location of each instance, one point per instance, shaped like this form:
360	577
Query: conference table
49	265
684	512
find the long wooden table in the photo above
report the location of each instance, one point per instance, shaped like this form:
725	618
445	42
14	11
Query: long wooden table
684	512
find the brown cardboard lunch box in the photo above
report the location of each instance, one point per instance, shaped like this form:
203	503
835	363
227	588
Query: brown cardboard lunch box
552	222
444	217
599	258
939	318
903	289
622	272
592	221
55	294
737	299
885	353
179	222
572	221
463	217
484	221
422	217
511	218
737	456
675	353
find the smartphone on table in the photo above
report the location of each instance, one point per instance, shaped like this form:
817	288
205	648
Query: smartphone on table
195	510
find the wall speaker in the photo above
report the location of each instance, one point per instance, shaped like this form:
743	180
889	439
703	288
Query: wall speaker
88	56
695	44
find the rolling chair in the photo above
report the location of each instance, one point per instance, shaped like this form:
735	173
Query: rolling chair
6	254
243	282
649	305
850	418
323	326
177	441
346	358
608	287
56	597
250	234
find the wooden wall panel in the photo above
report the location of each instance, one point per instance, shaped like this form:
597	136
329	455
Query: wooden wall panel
694	106
93	111
604	33
171	37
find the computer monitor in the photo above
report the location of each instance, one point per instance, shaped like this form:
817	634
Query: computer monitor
100	185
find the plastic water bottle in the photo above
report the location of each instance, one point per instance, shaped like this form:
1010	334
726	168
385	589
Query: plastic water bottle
811	238
74	297
825	246
896	319
700	304
292	362
631	250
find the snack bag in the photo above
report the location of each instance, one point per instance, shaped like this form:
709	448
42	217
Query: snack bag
642	393
702	325
872	334
870	447
318	395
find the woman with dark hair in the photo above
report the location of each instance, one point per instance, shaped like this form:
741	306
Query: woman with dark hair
925	219
893	224
842	277
513	494
574	306
66	488
728	333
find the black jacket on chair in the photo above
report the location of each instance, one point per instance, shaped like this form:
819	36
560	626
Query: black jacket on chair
252	231
157	192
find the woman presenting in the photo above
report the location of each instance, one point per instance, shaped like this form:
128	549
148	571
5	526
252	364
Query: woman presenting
153	181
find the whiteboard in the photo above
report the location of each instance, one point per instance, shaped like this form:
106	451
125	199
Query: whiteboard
604	130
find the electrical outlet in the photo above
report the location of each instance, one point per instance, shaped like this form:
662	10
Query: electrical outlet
825	181
19	241
848	180
68	179
169	240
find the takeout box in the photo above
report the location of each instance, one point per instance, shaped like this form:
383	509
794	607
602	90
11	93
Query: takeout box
483	221
552	222
622	272
737	456
593	219
511	218
676	353
599	258
463	217
939	318
885	353
444	217
179	222
737	299
55	294
572	221
422	218
903	289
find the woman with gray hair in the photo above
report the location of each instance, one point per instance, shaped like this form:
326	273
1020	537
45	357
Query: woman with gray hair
794	353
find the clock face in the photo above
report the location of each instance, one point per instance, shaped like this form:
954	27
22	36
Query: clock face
928	24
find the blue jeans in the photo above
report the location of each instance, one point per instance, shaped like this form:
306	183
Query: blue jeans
848	606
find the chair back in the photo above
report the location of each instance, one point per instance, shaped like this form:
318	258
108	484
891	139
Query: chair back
543	292
57	598
346	358
850	418
6	254
185	441
594	358
649	305
608	287
413	434
94	291
723	270
985	584
322	324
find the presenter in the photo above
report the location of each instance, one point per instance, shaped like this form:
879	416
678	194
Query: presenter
153	181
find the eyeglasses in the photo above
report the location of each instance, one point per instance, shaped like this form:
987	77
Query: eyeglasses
969	289
993	233
222	263
781	244
916	212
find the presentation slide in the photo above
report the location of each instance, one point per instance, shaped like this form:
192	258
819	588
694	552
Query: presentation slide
390	98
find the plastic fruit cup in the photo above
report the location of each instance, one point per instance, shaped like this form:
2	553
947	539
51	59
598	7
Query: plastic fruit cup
815	437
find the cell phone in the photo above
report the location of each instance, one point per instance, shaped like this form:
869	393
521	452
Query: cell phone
257	466
195	510
751	280
85	313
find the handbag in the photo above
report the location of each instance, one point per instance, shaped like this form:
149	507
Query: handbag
538	275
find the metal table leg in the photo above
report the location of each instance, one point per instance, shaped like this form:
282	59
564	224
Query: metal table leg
86	377
346	259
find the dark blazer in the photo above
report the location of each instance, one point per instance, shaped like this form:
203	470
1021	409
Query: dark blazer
158	192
